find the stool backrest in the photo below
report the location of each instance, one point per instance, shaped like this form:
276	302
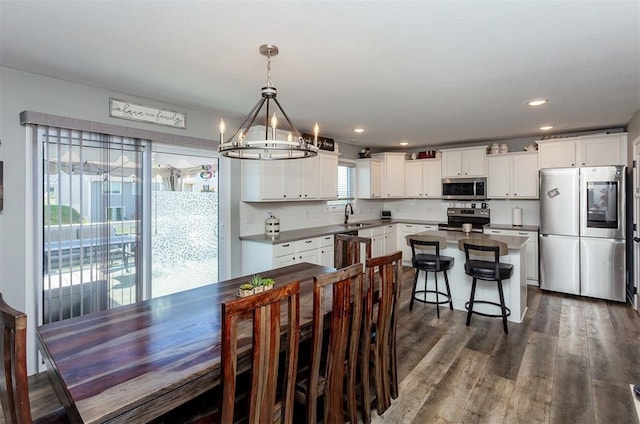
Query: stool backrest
503	249
14	389
486	248
348	250
424	243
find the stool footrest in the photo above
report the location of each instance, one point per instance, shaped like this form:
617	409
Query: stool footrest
446	297
486	302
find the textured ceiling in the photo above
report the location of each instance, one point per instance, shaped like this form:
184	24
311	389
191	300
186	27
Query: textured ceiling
425	72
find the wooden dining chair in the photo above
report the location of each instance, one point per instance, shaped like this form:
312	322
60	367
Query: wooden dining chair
14	392
348	249
264	310
332	371
384	275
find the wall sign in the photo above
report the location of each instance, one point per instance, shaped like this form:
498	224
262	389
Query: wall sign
142	113
324	143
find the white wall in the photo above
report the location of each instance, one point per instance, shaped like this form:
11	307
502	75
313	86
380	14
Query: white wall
21	91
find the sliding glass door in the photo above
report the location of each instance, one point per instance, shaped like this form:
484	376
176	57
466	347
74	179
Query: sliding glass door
184	219
121	222
91	209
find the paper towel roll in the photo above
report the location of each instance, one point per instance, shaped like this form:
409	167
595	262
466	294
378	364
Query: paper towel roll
517	216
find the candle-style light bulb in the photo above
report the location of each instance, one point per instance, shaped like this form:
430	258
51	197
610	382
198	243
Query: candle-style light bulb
274	125
222	128
289	137
316	129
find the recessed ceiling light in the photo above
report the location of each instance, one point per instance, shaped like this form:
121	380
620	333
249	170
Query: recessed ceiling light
537	102
546	127
404	143
358	130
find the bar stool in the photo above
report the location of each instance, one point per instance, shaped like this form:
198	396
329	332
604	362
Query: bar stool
487	271
428	262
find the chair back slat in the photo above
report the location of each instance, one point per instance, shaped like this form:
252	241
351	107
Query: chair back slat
348	250
265	313
14	390
389	274
347	296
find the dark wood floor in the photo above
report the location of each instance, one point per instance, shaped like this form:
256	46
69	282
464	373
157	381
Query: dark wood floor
570	361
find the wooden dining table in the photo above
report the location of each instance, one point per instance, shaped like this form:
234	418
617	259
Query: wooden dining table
136	362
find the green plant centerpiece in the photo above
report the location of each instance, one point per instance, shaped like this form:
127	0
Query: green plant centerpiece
256	282
268	283
245	290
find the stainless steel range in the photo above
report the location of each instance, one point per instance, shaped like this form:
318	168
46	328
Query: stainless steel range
477	217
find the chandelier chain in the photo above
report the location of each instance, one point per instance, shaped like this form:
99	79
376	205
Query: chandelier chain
269	82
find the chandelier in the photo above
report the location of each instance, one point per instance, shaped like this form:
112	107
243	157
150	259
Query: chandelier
259	137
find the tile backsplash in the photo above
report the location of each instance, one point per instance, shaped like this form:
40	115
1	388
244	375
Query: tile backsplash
296	215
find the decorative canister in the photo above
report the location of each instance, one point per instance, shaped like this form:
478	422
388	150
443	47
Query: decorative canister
516	216
272	226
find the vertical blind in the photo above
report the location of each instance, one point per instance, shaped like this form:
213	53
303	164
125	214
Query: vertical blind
346	184
91	211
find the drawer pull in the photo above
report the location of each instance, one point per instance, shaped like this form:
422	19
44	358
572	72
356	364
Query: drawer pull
286	245
308	241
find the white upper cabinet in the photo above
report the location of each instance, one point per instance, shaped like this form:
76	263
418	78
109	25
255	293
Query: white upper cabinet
603	150
464	162
596	150
393	178
329	176
512	176
369	178
287	180
423	178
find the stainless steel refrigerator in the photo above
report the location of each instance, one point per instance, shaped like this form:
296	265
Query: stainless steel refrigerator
582	234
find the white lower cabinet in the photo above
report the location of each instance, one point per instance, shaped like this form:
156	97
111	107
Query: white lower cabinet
376	234
390	239
260	257
407	229
325	253
532	250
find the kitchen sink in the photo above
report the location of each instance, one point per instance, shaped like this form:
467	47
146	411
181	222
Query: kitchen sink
357	225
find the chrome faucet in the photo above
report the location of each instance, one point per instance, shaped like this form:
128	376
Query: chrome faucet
346	214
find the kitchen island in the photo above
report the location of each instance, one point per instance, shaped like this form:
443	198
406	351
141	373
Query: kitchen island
515	288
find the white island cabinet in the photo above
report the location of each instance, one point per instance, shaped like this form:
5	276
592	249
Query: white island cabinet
531	248
515	288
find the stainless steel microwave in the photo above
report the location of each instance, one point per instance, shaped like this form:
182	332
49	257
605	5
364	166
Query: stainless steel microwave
464	188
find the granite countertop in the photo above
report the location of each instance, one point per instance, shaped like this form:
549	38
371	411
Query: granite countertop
305	233
513	242
533	228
